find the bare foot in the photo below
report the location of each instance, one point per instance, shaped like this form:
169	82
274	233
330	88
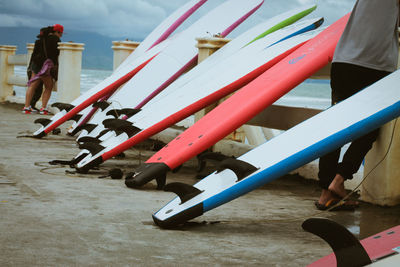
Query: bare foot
329	200
326	195
337	186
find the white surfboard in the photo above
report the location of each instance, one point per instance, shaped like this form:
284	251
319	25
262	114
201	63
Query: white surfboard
252	58
164	29
342	123
148	48
178	56
205	69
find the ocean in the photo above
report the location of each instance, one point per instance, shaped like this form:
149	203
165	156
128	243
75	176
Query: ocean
311	93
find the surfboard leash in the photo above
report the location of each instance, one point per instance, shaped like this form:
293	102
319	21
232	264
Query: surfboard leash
377	164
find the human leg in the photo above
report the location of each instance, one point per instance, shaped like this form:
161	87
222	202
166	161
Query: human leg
358	78
328	163
346	80
351	162
327	171
31	70
328	168
30	91
48	87
355	154
37	94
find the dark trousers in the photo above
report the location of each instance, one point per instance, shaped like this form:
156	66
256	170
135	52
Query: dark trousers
346	80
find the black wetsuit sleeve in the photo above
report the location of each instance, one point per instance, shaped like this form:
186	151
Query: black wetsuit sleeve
38	54
52	48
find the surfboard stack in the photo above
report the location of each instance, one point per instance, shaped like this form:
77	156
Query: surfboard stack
144	96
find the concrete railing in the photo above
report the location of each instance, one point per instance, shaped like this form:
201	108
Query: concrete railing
70	62
122	49
6	70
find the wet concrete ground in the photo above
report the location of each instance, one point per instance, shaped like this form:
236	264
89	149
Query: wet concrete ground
49	217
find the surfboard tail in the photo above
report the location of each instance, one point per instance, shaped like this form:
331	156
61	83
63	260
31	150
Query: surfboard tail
146	173
94	163
180	218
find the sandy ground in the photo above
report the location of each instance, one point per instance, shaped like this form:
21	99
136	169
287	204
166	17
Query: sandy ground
49	217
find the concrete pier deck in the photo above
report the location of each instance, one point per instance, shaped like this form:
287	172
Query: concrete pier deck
49	217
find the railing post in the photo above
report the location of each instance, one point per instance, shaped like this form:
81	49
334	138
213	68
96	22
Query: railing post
69	71
207	46
6	71
122	49
29	49
382	186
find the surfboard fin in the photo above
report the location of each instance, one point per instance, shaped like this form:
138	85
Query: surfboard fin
239	167
101	104
130	130
76	117
92	164
88	139
63	106
42	121
348	250
184	191
114	124
103	132
125	111
202	158
147	172
71	163
93	148
114	112
88	127
129	112
120	126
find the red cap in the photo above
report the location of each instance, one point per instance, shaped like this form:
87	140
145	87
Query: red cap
58	28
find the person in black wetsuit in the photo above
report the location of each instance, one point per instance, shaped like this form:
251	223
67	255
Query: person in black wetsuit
366	52
38	92
44	64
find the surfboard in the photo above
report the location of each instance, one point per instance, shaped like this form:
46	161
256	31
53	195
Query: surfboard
164	29
160	33
215	59
233	73
278	22
381	249
129	67
349	119
244	104
178	57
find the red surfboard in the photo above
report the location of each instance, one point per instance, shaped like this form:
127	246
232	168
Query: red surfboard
243	105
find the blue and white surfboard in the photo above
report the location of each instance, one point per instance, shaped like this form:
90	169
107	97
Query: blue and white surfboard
307	141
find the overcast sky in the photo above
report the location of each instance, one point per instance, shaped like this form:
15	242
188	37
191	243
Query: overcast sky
134	19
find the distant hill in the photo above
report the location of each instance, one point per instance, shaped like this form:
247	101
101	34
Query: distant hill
97	54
